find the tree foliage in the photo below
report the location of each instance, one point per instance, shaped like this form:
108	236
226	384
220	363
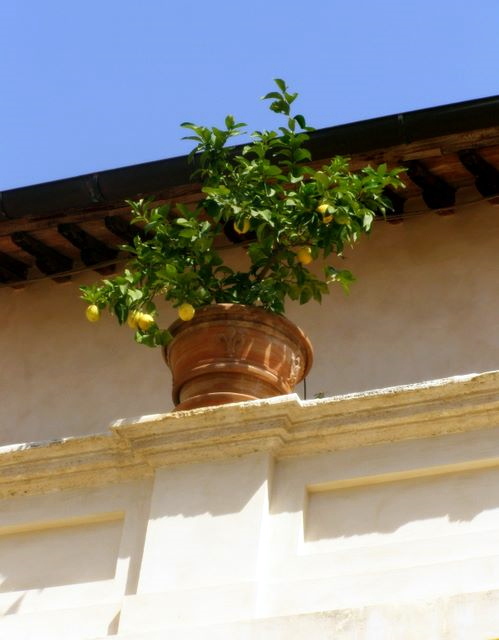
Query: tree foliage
289	213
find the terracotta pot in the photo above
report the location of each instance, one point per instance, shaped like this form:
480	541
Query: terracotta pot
231	353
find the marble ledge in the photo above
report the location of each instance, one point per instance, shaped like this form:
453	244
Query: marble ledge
283	426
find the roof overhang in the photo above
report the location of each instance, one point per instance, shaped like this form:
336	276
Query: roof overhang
55	229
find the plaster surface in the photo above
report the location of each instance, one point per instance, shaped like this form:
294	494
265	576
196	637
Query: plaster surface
425	305
362	516
374	515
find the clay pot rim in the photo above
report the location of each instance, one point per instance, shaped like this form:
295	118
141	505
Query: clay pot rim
224	311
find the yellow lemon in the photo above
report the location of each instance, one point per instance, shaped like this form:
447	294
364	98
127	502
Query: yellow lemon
133	319
323	210
145	321
92	312
242	227
304	255
186	311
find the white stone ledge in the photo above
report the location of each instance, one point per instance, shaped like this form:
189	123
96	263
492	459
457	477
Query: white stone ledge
284	426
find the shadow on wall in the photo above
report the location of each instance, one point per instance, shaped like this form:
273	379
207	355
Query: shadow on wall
59	556
405	506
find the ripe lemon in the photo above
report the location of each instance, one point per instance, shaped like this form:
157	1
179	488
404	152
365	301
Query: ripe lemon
186	312
145	321
92	312
304	255
323	210
242	227
133	319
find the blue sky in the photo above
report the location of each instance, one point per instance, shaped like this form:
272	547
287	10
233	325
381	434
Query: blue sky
88	85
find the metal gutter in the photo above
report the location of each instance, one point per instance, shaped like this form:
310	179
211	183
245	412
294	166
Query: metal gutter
111	187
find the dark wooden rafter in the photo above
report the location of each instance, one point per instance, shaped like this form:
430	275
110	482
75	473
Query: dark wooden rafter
11	269
436	193
486	175
123	229
92	250
49	260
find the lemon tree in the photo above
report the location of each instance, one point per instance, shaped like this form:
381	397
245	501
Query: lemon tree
294	219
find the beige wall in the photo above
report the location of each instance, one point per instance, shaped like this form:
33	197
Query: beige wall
426	305
339	539
67	560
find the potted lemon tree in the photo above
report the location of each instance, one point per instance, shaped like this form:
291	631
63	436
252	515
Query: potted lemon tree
232	341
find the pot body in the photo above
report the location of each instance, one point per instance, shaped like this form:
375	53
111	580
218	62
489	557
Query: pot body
232	353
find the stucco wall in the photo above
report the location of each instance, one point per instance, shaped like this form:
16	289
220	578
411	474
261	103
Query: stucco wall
426	305
356	518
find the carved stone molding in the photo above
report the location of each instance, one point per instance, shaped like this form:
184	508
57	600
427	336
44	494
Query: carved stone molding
284	426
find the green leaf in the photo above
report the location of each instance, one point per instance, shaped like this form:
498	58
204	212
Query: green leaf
169	270
184	210
221	190
301	121
302	154
183	222
367	220
162	338
305	295
281	84
293	292
145	338
134	295
121	312
272	95
187	233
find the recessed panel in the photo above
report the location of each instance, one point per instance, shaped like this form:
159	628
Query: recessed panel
392	511
57	555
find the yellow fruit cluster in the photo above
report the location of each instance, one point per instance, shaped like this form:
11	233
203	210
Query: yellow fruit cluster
140	320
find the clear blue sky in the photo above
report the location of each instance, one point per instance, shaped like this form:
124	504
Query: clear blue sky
87	85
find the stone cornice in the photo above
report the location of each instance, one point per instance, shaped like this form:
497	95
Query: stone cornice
283	426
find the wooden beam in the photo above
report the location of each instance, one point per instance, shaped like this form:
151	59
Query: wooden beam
123	229
486	175
11	269
92	250
436	193
48	260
